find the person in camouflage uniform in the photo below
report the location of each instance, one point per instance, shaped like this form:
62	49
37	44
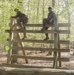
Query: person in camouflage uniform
50	20
22	19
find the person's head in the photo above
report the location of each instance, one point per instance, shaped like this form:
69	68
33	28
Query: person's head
49	9
16	9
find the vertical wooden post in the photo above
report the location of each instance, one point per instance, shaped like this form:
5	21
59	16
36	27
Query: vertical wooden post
9	51
59	53
55	44
10	43
14	51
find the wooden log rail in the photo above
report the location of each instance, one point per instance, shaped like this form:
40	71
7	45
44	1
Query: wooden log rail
41	49
35	71
37	31
41	58
40	25
41	41
30	66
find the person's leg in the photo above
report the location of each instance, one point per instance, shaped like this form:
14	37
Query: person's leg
44	23
24	21
23	26
46	34
46	28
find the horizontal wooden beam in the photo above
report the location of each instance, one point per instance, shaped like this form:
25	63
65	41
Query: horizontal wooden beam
41	49
24	65
40	25
41	58
30	66
38	31
35	71
42	41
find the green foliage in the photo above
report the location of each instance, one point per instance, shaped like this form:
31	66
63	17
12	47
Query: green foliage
36	11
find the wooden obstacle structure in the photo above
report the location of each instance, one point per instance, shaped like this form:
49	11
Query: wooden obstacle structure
18	44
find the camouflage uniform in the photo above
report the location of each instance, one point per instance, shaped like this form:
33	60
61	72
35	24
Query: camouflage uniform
22	19
50	20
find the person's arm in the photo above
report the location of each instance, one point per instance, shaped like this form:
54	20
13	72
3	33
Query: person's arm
54	17
50	17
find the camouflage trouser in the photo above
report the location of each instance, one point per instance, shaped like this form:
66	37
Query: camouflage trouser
21	24
22	21
45	23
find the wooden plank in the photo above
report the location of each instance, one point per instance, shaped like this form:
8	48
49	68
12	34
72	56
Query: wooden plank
42	58
40	25
24	66
35	71
64	24
10	41
35	41
38	31
55	45
64	31
43	49
14	51
29	66
9	51
59	53
42	41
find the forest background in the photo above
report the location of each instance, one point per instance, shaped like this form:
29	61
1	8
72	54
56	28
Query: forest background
36	11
